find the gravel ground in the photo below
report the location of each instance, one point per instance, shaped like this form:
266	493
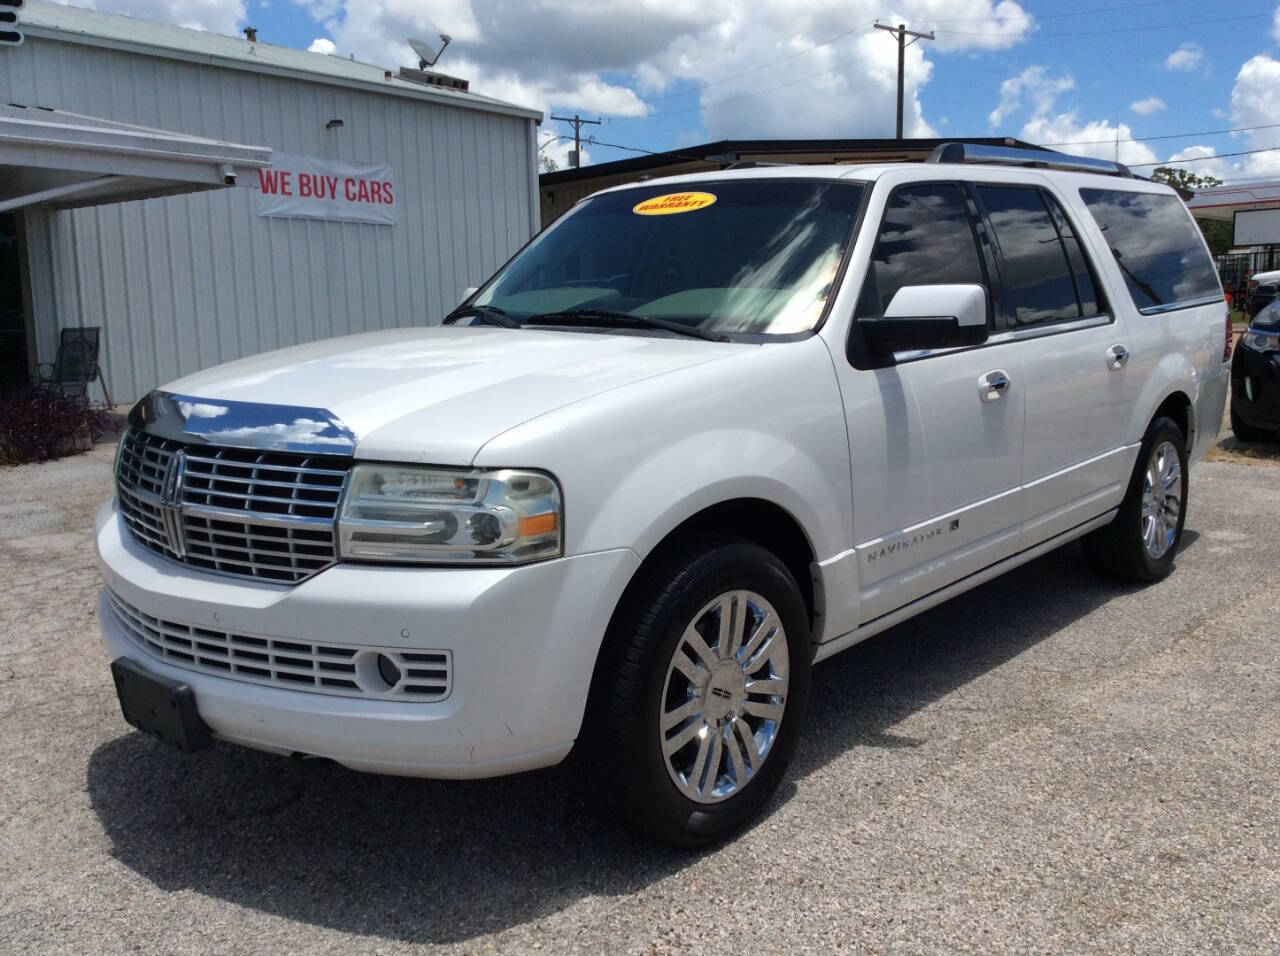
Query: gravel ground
1048	763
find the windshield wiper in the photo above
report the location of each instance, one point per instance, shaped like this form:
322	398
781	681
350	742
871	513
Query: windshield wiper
617	318
487	314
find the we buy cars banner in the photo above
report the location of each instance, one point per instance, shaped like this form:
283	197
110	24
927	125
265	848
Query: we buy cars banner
306	187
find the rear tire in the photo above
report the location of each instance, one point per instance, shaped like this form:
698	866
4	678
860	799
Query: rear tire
1139	545
701	691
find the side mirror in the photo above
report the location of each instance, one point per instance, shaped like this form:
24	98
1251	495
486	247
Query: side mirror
929	317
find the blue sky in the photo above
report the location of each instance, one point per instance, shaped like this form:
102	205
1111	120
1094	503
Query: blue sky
667	73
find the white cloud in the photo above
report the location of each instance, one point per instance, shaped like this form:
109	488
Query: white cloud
1186	58
216	16
1035	83
1204	161
319	9
1063	129
1097	138
1152	104
1254	103
322	45
618	57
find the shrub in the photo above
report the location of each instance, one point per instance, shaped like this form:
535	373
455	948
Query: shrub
40	425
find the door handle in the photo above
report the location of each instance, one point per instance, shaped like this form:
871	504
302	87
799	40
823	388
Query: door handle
993	386
1117	357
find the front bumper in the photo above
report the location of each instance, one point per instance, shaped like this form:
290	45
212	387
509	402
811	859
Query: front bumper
523	642
1255	387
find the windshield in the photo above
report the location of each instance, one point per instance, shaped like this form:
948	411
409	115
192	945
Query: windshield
754	256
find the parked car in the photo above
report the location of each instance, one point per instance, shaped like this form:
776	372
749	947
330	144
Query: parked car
1264	288
698	435
1255	379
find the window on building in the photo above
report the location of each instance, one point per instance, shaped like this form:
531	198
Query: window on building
1157	246
926	239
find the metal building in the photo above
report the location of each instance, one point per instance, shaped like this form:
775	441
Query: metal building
183	282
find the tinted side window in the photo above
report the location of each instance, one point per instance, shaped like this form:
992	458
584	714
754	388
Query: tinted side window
1038	280
1086	288
1156	245
926	239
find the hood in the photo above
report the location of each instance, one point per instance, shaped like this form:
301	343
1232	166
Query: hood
436	395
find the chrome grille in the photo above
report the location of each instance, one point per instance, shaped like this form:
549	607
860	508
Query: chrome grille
256	514
288	663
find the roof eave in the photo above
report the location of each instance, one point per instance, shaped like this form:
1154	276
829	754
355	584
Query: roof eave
401	88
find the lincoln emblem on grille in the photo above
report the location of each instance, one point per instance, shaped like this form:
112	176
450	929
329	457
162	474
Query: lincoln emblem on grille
171	502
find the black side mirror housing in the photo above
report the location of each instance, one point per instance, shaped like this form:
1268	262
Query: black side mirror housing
928	317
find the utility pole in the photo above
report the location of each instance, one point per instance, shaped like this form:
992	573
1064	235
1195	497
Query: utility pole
575	159
901	33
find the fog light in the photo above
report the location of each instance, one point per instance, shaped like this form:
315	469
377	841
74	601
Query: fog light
388	671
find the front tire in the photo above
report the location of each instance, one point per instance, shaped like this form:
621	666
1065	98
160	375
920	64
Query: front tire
1140	543
701	691
1244	431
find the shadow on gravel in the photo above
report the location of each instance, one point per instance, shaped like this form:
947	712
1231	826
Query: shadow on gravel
1231	448
428	861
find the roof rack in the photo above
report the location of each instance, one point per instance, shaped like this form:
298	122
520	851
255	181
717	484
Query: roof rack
1034	158
753	164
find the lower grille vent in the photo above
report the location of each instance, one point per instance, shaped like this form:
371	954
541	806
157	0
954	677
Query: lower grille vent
371	672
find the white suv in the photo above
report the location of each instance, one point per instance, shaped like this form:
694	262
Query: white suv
699	434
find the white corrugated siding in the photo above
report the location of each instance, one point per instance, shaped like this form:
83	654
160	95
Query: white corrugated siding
186	282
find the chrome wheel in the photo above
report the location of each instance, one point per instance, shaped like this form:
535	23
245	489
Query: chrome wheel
724	696
1161	499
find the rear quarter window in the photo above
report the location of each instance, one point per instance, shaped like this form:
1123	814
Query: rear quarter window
1158	247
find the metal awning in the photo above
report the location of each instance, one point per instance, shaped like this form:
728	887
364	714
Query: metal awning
1223	202
67	160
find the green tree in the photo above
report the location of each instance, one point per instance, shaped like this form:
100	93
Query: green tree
1219	234
547	163
1183	179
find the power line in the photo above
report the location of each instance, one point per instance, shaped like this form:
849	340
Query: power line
846	63
592	141
1053	16
700	87
1148	139
1249	179
1168	162
1150	26
1202	159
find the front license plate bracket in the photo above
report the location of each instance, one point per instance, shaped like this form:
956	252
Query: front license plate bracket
163	708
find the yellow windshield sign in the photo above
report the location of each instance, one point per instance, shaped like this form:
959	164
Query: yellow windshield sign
672	203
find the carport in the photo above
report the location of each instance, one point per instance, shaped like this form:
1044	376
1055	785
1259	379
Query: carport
68	160
59	160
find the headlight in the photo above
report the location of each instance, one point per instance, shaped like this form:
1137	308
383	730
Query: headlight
1261	341
401	513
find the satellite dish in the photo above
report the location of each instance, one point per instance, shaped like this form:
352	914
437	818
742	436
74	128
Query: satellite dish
429	53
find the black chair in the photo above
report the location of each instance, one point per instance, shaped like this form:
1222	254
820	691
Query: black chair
75	365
